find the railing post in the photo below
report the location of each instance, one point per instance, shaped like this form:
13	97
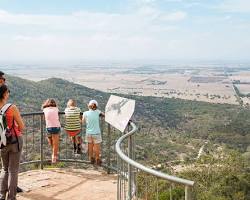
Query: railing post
118	178
130	153
109	148
41	142
170	192
187	193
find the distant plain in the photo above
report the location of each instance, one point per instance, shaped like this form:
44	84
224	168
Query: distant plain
210	84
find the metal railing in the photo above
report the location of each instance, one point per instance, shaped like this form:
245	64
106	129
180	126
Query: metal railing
136	181
37	152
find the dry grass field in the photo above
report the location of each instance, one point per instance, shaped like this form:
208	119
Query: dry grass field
244	88
202	84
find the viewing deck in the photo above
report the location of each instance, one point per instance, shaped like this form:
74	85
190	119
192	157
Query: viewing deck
62	184
120	176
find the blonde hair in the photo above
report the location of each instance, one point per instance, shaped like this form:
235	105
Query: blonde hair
71	102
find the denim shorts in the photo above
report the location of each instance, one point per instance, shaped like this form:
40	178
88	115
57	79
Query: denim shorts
53	130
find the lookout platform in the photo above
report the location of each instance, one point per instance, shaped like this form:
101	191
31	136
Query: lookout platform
63	184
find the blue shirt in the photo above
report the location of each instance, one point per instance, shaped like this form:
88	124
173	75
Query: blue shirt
92	121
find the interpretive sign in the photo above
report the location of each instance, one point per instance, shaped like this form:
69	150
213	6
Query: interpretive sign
118	111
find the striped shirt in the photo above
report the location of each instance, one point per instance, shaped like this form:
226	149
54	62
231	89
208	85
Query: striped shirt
72	119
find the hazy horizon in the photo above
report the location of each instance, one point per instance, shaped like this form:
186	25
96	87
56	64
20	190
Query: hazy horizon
127	63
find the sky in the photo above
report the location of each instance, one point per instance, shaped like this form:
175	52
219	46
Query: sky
124	30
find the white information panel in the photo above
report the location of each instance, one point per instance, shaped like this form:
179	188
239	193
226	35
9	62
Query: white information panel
118	111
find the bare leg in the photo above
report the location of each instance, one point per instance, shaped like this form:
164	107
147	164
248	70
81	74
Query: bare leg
78	143
90	150
97	151
50	141
55	148
79	139
73	139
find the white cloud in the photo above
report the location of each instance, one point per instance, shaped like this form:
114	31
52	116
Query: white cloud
173	0
175	16
145	33
155	14
84	34
98	46
22	38
146	1
89	22
235	6
148	10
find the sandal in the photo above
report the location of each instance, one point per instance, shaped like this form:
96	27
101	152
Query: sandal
92	160
99	162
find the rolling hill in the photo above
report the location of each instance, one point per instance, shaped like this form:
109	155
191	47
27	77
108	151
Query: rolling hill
155	116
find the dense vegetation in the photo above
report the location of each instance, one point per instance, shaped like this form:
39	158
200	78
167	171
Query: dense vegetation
223	177
169	129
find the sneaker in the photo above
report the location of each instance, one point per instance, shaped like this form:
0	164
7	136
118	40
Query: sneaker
79	151
74	151
18	189
92	160
54	159
99	162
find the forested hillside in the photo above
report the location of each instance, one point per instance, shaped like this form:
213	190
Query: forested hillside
29	95
227	124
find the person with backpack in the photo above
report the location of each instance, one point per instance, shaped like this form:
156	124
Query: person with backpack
12	125
93	131
53	126
72	126
2	81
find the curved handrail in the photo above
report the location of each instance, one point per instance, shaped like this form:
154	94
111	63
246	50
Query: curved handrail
144	168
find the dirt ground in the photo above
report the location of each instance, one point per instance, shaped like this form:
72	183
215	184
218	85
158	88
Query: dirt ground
63	184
